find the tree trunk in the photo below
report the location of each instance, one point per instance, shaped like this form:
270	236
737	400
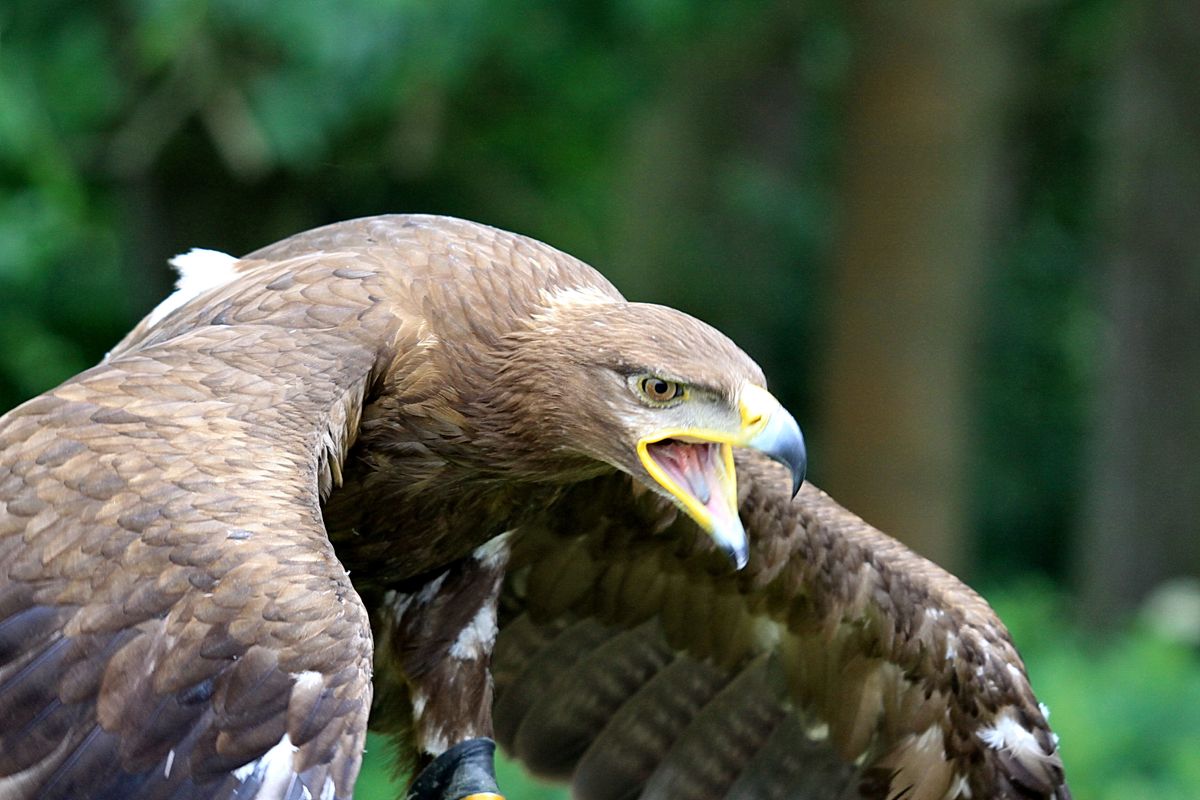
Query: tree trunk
1142	524
922	142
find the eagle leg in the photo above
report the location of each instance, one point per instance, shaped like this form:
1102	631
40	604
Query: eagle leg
466	771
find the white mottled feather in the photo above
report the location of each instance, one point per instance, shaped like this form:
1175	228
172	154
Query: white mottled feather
476	639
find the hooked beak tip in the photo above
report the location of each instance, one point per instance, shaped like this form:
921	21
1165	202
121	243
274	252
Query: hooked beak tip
733	542
797	462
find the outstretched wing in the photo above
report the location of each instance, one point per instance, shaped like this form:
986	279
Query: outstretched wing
173	622
634	663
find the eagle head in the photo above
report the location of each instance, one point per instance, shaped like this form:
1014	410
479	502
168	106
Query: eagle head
648	390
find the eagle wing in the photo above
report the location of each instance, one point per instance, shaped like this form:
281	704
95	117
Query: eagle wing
632	662
173	621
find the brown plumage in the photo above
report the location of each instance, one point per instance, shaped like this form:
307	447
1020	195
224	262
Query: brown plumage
484	435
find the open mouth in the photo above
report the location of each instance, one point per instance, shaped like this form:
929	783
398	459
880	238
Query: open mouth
698	473
691	465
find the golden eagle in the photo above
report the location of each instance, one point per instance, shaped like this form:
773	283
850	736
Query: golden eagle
419	475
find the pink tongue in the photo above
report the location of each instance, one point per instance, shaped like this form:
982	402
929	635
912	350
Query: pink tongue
695	468
690	465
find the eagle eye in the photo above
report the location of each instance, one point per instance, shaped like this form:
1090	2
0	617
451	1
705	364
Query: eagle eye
659	391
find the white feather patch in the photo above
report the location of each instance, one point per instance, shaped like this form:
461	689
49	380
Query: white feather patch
431	589
951	647
494	551
308	679
561	300
275	769
577	296
199	270
477	638
1008	734
435	743
419	701
817	732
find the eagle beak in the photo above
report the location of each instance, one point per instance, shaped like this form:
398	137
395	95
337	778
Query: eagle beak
772	431
695	465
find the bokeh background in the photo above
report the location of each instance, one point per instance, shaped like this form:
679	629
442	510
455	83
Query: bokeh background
963	239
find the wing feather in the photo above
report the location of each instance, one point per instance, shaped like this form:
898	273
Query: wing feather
836	653
722	738
172	620
560	725
631	746
552	665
